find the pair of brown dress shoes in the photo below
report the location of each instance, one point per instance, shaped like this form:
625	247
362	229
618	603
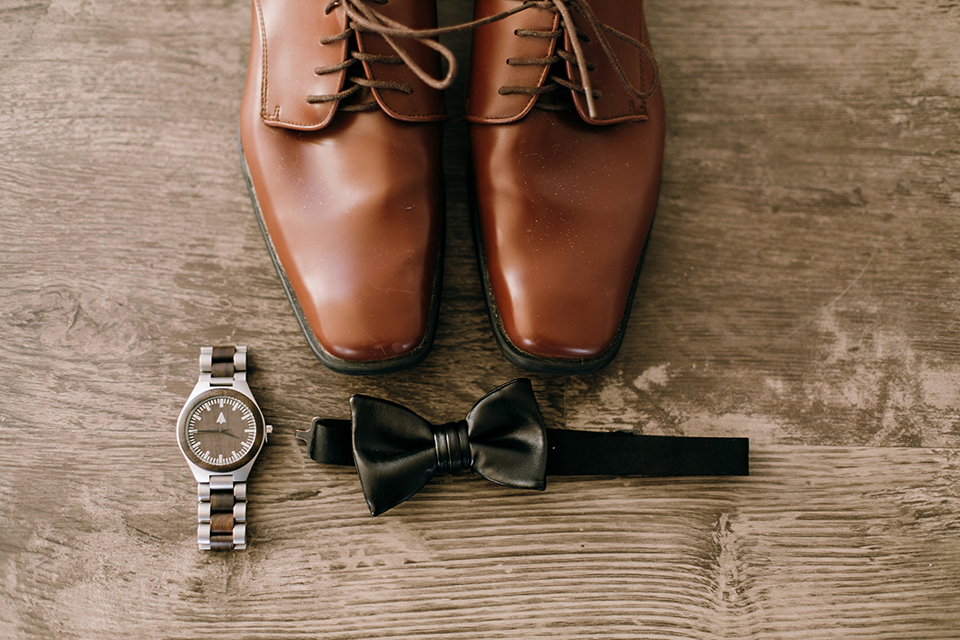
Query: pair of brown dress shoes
341	134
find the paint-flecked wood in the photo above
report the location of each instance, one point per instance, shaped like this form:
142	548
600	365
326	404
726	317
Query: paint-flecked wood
801	288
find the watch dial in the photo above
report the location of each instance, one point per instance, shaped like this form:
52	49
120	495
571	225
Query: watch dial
221	430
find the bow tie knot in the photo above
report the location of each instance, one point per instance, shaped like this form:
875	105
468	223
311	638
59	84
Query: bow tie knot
452	441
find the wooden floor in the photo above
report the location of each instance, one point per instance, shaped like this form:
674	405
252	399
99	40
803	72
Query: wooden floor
802	288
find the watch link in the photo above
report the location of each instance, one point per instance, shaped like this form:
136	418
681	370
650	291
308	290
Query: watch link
221	432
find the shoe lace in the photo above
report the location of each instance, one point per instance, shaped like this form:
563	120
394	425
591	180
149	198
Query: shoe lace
577	57
363	18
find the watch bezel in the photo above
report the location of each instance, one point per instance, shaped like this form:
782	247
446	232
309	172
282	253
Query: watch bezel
259	436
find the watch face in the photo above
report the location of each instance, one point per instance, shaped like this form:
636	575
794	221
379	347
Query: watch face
221	431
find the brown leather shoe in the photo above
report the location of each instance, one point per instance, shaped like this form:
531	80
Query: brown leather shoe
341	148
565	197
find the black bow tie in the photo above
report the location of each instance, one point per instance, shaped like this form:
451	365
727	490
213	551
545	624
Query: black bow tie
397	452
503	439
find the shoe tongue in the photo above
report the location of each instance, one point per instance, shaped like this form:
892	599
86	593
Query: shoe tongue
290	53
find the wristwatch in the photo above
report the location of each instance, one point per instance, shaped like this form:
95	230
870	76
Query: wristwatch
221	432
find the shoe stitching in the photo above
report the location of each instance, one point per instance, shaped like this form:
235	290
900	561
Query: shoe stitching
263	60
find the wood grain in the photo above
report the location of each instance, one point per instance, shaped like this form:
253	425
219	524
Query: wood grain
817	542
800	288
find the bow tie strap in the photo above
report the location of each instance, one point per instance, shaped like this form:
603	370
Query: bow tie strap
628	453
584	453
328	441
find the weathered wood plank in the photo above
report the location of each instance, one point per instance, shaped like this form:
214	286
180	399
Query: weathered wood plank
818	542
801	288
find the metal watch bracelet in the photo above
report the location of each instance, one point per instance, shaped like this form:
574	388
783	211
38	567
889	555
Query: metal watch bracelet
222	514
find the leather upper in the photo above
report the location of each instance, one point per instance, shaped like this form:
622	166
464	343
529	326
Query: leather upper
564	201
352	202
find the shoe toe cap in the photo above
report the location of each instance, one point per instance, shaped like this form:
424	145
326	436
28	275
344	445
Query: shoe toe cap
559	322
370	328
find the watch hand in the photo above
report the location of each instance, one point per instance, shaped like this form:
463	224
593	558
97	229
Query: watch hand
223	431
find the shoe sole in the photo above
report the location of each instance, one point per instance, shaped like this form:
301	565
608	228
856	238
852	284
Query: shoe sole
339	365
529	361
